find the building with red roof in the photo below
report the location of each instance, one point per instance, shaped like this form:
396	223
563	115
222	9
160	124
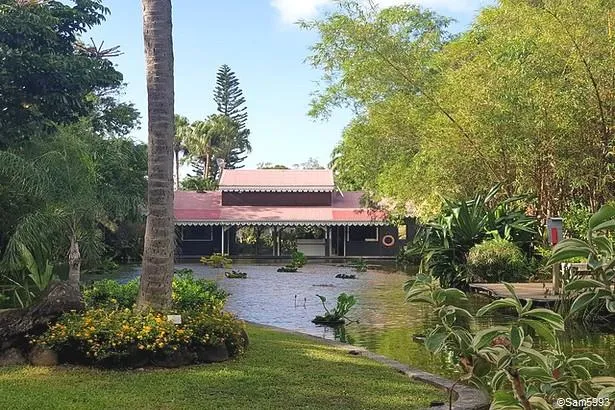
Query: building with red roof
296	209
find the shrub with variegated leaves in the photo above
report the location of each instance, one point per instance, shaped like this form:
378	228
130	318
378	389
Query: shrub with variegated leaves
506	361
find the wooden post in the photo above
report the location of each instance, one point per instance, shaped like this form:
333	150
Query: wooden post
329	239
275	241
557	278
222	227
345	239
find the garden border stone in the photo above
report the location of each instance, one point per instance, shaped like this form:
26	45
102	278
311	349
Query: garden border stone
466	397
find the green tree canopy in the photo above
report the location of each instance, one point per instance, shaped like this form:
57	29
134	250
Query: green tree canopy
523	98
48	76
230	102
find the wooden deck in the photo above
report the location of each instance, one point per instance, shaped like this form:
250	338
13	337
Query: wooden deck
537	292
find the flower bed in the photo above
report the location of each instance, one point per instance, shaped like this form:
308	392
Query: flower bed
111	334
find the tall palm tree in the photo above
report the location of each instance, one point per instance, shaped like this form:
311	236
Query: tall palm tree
200	144
182	131
157	275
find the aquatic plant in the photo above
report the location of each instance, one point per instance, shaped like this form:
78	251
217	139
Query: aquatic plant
288	269
217	260
236	275
338	315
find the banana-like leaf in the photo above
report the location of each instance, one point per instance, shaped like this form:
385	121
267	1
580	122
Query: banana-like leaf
606	393
544	331
551	318
536	357
581	302
498	304
601	218
539	403
583	284
484	337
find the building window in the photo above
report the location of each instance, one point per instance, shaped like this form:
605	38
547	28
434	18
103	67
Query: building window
363	233
197	233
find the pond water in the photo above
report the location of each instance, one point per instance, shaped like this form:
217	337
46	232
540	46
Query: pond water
386	323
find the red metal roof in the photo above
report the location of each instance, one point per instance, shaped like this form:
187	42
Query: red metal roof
272	180
193	208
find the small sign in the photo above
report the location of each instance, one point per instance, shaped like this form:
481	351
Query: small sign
554	230
175	319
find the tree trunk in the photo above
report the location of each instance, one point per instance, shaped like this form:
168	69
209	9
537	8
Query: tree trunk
206	170
157	275
74	262
177	170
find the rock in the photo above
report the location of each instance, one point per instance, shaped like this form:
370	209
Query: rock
12	357
42	356
175	358
17	325
246	339
213	354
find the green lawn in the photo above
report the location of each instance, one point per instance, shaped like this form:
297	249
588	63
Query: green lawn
279	371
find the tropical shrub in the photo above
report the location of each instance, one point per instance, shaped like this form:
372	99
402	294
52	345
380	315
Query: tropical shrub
217	260
599	249
506	361
109	293
444	242
188	293
191	293
497	260
298	259
338	315
360	265
112	335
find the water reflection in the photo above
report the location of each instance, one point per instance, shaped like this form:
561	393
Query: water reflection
386	324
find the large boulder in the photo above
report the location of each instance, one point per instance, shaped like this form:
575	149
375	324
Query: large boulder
212	353
17	326
42	356
11	357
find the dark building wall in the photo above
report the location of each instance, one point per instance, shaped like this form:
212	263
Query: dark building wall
375	248
276	198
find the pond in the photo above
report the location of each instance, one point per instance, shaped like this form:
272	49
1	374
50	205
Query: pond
386	323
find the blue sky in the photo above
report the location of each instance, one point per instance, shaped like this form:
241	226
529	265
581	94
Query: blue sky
258	40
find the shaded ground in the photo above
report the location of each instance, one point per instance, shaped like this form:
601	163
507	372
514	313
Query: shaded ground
279	371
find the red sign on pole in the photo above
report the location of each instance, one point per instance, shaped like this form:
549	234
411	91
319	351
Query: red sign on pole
554	237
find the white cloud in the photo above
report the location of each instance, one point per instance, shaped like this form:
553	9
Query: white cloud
293	10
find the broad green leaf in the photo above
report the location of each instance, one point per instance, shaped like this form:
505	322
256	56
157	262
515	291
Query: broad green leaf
581	372
536	357
552	319
583	284
539	403
498	378
606	393
610	305
484	337
587	359
604	215
454	295
498	304
580	303
604	380
435	340
544	331
516	336
537	373
504	400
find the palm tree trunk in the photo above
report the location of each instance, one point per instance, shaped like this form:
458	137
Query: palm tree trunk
157	275
177	170
74	262
206	170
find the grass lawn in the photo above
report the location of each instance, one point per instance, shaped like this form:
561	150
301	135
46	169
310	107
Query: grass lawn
279	371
